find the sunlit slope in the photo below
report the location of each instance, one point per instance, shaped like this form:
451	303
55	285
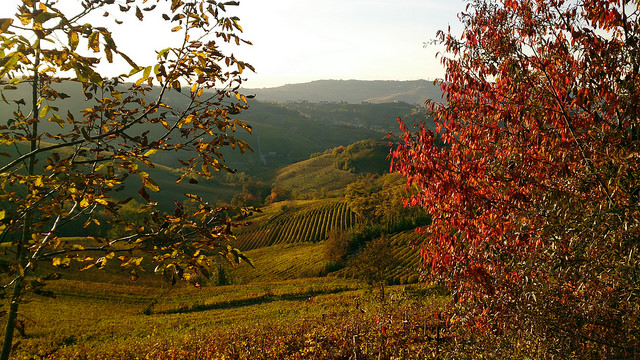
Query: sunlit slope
305	260
282	262
329	173
295	222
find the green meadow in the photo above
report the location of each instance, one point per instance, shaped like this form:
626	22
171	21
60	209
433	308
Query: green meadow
279	309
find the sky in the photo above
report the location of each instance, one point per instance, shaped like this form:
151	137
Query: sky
298	41
302	40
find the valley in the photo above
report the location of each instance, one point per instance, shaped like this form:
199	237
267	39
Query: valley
324	207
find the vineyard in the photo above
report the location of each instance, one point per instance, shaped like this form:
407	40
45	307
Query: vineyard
407	256
406	265
310	222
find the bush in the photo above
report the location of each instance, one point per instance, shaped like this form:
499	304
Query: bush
338	246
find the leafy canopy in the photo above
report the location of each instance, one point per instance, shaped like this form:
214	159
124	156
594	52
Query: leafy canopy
533	191
59	166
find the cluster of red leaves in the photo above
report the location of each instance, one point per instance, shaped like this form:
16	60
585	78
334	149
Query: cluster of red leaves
532	173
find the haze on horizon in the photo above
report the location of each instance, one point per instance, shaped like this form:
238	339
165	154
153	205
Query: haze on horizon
298	41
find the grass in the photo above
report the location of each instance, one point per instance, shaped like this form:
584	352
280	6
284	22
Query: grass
284	262
315	175
329	173
93	321
280	308
100	317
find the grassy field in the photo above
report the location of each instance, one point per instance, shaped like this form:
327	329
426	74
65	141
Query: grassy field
280	308
109	321
327	174
100	317
286	319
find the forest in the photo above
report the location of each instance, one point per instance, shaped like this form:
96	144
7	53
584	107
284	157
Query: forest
171	212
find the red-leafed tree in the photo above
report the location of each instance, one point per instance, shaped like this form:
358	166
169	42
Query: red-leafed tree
534	186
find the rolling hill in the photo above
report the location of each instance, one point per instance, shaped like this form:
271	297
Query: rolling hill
327	174
283	133
352	91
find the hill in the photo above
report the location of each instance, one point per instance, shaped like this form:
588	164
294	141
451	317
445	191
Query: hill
295	222
328	173
283	133
352	91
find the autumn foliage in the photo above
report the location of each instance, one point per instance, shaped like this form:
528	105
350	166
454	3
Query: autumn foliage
61	167
532	174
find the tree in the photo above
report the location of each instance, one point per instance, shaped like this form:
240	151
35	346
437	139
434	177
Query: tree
66	164
378	202
374	263
362	196
534	191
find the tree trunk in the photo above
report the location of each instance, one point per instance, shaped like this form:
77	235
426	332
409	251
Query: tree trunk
11	320
26	229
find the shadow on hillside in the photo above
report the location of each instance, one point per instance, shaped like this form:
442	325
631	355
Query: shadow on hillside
257	300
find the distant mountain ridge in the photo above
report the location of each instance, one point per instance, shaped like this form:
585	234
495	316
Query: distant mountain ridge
352	91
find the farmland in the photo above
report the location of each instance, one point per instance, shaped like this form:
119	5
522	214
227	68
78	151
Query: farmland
299	316
308	221
295	287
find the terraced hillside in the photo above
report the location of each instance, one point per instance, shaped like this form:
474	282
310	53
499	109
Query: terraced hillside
295	222
408	260
403	255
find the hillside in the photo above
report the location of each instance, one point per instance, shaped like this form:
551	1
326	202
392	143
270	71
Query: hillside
283	133
328	173
293	222
381	117
352	91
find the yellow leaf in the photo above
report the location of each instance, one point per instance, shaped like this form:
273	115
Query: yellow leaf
94	42
205	170
44	111
148	182
73	40
57	119
109	54
140	81
147	72
151	185
4	24
187	120
101	201
150	152
84	203
61	262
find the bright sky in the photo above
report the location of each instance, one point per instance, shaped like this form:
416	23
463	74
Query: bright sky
302	40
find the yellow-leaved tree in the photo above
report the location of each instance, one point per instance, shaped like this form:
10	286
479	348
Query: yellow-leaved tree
60	165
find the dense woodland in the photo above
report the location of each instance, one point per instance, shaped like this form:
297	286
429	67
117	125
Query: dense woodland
165	212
